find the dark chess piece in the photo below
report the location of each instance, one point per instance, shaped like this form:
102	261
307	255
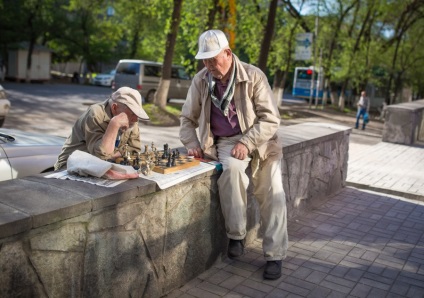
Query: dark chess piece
177	153
168	164
173	161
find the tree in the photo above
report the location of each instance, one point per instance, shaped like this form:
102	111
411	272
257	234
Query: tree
162	93
268	33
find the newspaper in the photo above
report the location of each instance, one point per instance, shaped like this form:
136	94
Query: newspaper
92	180
162	180
168	180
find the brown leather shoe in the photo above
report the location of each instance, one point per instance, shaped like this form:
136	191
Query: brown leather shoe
235	248
272	270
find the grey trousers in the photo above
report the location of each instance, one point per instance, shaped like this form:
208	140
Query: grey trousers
269	192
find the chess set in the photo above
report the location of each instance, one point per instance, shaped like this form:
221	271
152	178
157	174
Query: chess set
160	161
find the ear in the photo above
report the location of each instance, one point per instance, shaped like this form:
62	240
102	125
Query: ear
114	108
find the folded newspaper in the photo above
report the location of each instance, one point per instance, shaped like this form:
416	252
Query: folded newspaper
85	164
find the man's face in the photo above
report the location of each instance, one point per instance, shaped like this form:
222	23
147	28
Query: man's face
219	65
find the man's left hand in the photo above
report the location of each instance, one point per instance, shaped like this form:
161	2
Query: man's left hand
240	151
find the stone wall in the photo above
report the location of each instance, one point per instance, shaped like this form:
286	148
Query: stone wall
71	239
404	123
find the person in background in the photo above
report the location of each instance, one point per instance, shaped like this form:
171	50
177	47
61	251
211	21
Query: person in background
363	108
105	128
231	104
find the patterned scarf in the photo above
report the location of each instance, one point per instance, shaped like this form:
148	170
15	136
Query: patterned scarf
224	103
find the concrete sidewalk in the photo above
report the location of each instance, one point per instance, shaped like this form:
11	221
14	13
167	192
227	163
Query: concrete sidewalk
360	243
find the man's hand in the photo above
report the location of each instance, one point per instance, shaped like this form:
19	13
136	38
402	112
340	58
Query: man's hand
122	121
196	152
240	151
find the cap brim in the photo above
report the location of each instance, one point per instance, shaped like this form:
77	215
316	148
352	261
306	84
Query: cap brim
141	114
207	55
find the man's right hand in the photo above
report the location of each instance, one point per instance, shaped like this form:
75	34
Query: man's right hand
122	121
196	152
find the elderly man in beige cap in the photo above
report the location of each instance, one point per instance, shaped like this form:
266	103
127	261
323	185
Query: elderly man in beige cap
105	128
230	103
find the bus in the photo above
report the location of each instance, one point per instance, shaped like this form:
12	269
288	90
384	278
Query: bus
302	83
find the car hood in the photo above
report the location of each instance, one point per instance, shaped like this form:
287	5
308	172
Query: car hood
22	138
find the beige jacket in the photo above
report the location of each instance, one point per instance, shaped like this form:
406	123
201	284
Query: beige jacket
257	113
88	131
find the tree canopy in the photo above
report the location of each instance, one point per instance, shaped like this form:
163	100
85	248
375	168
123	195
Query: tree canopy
365	42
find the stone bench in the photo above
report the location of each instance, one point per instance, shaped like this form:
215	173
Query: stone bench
61	238
404	123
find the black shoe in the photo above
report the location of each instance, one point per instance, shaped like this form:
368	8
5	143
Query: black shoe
272	270
235	248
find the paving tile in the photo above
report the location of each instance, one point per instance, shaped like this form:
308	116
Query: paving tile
361	291
257	285
233	295
198	292
277	293
238	271
232	282
249	291
316	277
207	286
377	293
191	284
319	292
415	292
354	274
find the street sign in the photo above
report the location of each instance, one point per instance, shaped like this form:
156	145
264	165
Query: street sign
303	46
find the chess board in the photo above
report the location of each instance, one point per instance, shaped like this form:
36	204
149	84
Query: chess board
158	162
183	162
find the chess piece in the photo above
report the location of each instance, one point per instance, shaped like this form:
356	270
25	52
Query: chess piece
173	160
168	164
146	148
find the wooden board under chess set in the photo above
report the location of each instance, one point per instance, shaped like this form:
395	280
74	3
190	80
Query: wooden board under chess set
181	163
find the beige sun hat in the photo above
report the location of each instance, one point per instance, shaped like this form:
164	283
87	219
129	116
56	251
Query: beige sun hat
211	43
132	99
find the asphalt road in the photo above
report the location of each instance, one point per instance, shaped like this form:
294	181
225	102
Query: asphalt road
53	108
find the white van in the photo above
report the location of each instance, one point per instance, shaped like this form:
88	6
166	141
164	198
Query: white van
145	76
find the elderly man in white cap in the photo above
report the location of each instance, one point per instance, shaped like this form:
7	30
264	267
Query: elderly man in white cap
98	129
231	105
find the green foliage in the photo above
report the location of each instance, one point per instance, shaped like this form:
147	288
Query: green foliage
368	35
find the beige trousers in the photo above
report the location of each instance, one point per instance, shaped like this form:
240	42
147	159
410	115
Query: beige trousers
269	192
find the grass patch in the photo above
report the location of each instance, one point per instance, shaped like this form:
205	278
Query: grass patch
158	117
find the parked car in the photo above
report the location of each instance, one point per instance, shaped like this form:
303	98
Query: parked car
104	79
145	77
25	153
4	105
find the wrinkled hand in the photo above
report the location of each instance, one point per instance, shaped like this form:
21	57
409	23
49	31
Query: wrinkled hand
115	175
240	151
196	152
122	121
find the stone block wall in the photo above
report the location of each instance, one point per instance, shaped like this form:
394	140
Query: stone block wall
404	123
63	238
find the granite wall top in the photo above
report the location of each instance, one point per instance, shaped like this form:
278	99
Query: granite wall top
35	201
413	105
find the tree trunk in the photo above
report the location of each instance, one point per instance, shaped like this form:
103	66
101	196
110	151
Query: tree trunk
209	25
161	94
278	88
269	31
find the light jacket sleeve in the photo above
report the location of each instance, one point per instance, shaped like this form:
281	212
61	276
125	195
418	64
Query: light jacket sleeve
190	113
267	119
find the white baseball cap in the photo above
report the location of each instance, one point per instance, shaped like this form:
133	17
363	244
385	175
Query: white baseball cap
132	99
211	43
